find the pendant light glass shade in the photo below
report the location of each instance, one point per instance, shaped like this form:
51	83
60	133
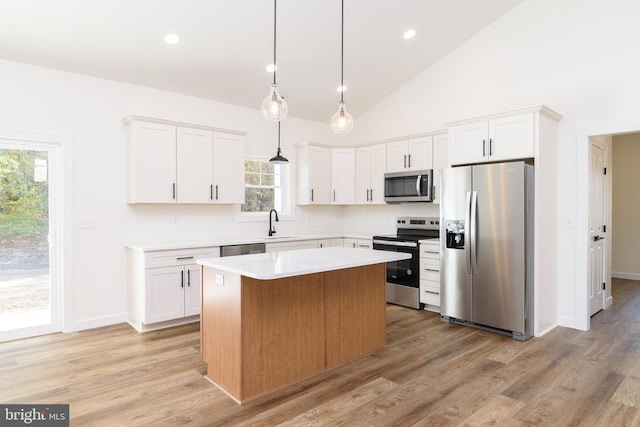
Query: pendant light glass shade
274	107
279	159
341	121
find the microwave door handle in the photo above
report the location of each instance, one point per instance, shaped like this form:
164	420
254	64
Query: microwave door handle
418	185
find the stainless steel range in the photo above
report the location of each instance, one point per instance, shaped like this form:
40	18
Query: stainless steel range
403	277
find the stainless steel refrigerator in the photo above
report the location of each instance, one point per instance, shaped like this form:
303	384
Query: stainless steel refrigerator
486	271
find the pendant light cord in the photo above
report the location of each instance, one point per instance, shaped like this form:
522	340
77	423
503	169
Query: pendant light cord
342	56
274	41
278	138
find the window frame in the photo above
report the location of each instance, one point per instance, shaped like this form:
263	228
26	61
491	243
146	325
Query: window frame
286	190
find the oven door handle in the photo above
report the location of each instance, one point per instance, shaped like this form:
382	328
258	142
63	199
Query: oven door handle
390	243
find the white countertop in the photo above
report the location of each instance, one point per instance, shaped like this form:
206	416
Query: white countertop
276	265
195	243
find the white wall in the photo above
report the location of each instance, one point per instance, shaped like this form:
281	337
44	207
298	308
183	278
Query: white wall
577	57
626	206
91	110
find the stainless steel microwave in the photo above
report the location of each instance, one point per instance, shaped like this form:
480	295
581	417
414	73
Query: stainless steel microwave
411	186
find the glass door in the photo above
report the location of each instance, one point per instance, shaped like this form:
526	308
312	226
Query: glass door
28	295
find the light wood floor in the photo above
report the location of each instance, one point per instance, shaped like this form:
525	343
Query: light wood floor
429	374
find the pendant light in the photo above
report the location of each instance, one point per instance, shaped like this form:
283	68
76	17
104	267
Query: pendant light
341	121
274	107
279	159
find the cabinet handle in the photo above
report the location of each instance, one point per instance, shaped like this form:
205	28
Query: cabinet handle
490	146
183	257
354	245
431	292
431	269
409	160
312	194
216	191
211	192
334	195
174	191
182	279
405	160
484	145
367	194
188	277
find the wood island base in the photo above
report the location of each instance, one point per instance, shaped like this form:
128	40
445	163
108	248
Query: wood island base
259	336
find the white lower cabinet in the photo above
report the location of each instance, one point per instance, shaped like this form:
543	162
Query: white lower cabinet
291	246
329	243
164	286
430	275
358	243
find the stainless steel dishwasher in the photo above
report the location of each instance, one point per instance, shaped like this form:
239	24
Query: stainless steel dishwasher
244	249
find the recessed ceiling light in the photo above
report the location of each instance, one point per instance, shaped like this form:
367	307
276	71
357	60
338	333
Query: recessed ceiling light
172	38
271	68
409	34
342	88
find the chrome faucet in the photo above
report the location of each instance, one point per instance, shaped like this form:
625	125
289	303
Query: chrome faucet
272	229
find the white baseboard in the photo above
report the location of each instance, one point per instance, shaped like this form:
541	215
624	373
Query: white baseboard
569	322
622	275
95	322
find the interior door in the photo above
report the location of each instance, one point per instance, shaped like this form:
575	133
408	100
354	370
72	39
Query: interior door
596	230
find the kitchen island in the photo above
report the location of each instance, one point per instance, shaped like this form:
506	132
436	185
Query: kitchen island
270	320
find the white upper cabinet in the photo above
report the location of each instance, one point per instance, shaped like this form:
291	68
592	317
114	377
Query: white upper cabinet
499	138
151	163
314	175
171	163
511	137
343	176
228	169
410	155
370	166
194	165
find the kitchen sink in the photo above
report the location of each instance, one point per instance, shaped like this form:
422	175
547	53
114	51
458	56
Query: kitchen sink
276	237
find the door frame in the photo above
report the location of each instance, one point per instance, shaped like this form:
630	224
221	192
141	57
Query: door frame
62	255
584	132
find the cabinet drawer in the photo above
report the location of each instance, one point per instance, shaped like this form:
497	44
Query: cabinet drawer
429	297
432	275
430	264
430	250
429	255
430	285
155	259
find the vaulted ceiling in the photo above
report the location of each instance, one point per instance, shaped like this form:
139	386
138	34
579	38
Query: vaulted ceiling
226	44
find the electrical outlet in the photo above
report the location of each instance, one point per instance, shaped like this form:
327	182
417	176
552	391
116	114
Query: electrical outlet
87	222
219	279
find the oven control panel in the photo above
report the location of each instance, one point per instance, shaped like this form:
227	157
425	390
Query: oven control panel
420	223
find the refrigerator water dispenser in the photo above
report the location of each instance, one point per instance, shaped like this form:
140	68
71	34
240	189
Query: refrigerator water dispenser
455	234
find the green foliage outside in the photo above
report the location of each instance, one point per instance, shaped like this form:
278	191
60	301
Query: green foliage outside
24	203
260	178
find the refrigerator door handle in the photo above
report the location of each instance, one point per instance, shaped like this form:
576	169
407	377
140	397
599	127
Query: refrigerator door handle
418	185
467	253
473	231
